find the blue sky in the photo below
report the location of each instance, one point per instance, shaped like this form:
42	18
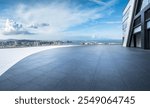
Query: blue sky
61	19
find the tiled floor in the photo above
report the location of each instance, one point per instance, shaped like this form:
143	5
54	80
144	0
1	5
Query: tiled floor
87	68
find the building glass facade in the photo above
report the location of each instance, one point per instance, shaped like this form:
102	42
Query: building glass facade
148	25
139	31
145	3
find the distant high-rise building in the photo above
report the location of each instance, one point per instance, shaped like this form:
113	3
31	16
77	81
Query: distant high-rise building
136	24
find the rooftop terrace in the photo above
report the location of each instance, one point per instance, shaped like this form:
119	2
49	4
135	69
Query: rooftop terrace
99	67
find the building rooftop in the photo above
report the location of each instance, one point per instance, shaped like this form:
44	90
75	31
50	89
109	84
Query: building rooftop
99	67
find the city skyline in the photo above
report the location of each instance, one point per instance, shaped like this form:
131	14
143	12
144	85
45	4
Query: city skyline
61	19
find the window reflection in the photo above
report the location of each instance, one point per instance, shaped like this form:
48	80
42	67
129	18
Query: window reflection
145	3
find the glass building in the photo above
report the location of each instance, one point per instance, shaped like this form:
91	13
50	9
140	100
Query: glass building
136	24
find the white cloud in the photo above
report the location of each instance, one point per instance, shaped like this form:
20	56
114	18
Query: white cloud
105	4
59	17
111	22
36	26
2	22
53	20
13	28
99	2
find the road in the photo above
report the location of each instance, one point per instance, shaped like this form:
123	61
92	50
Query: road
83	68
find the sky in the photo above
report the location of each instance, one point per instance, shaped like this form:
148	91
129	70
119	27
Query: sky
61	19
